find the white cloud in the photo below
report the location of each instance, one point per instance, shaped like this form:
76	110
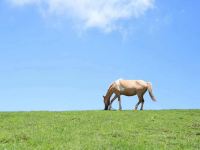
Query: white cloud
102	14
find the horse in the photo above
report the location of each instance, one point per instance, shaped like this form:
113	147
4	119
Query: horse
127	88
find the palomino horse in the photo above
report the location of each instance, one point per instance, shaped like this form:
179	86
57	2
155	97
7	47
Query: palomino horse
128	88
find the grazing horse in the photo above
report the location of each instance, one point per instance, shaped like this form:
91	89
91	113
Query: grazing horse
128	88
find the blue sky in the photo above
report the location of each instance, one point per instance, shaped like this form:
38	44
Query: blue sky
62	55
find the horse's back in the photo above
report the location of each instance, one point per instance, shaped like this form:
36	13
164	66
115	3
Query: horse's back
133	83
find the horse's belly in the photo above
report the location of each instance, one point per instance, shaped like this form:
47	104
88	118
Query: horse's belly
129	92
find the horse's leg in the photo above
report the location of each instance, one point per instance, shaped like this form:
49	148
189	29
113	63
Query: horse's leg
136	106
139	101
120	105
142	100
110	106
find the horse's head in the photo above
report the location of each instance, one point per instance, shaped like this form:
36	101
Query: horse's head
106	102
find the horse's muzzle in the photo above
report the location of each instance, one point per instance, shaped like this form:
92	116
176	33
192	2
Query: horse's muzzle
106	108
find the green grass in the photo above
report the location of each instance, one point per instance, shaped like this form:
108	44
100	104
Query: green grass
163	129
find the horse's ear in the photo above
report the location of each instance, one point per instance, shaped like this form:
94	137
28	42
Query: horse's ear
103	96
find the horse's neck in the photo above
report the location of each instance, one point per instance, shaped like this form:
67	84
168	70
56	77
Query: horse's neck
109	93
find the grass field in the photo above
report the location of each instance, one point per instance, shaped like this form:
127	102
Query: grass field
163	129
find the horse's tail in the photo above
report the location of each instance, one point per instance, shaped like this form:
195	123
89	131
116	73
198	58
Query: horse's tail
149	87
